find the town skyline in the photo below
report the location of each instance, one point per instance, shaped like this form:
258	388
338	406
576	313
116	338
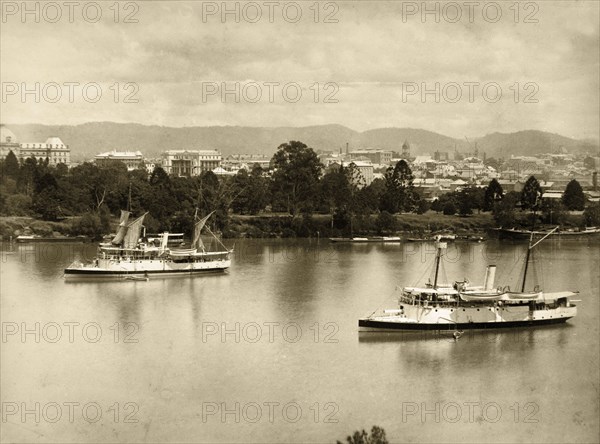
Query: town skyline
87	140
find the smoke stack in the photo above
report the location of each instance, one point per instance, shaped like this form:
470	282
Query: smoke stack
165	240
347	149
490	276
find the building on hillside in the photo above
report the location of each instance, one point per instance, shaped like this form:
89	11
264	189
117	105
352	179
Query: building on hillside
511	185
405	150
131	159
552	195
441	156
364	168
219	171
8	143
190	162
52	149
377	157
246	161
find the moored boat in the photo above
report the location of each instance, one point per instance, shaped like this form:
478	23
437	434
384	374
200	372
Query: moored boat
130	258
366	239
514	233
462	306
31	238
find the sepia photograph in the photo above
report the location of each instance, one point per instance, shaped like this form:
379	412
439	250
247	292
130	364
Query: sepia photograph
264	222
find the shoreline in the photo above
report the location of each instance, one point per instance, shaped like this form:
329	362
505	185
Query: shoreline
283	225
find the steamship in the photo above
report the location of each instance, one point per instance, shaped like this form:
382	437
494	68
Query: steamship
462	306
129	257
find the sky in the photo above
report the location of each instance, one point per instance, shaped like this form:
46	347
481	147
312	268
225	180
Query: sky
450	67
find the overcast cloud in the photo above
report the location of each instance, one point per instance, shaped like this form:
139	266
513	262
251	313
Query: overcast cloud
370	56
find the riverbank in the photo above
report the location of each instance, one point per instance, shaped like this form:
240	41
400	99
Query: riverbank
321	225
21	225
276	225
282	225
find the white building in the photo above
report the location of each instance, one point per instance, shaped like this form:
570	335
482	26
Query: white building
365	169
131	159
190	162
52	149
8	143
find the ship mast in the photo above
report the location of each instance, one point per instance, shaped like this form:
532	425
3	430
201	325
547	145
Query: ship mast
527	262
529	248
438	258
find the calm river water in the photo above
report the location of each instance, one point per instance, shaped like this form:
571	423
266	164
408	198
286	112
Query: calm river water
270	351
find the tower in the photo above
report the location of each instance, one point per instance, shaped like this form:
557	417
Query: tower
405	150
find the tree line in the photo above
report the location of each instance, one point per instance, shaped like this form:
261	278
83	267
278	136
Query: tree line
297	184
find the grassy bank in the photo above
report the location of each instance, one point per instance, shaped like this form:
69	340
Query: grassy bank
17	225
278	225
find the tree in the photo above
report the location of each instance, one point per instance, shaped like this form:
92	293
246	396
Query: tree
493	193
553	212
386	223
422	206
377	436
334	190
61	170
340	190
504	210
591	215
296	177
28	173
368	198
250	192
10	166
573	197
449	208
531	196
94	224
437	206
399	192
470	198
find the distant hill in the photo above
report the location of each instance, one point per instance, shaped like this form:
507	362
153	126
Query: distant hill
89	139
530	142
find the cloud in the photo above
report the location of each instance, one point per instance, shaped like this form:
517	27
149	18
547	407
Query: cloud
370	52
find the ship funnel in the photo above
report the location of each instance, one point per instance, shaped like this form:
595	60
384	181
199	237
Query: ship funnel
490	276
164	240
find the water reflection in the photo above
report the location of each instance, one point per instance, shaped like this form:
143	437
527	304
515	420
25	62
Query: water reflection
174	367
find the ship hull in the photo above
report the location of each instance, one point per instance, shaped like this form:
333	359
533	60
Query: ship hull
155	269
372	325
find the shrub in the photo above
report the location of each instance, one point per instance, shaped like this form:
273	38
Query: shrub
449	209
377	436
